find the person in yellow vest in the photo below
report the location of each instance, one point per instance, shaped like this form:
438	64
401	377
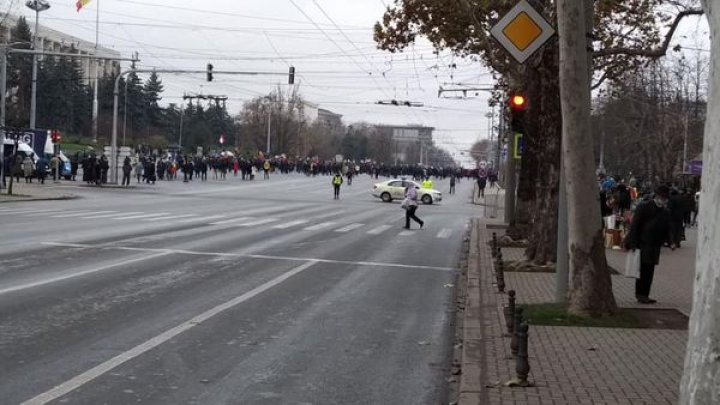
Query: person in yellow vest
427	183
337	181
266	169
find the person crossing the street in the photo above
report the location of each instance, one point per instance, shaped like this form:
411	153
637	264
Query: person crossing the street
411	206
337	181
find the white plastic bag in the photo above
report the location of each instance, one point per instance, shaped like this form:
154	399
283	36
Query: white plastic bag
632	264
610	222
405	204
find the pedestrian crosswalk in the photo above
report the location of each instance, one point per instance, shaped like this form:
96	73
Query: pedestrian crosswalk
282	222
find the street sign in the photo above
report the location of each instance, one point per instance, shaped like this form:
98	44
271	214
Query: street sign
518	146
522	31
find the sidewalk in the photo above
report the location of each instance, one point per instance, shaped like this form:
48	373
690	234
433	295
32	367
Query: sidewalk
34	192
576	365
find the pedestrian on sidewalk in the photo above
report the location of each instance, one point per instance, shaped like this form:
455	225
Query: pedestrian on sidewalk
28	167
127	169
411	206
337	181
452	184
648	231
41	169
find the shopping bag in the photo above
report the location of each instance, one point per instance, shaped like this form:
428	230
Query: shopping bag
632	264
405	204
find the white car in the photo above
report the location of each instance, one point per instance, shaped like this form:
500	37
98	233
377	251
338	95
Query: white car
395	190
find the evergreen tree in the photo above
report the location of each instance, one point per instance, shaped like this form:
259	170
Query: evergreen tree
152	90
19	78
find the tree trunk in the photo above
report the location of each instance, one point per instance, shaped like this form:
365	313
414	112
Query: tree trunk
701	378
591	286
544	123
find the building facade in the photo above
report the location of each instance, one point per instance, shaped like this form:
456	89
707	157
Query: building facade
56	41
411	144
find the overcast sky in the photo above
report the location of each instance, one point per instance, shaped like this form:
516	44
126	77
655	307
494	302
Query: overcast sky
328	41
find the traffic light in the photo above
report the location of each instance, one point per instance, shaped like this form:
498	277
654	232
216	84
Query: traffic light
56	137
518	105
291	75
209	72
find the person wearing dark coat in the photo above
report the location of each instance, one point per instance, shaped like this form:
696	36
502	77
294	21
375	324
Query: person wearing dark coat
42	169
676	205
127	169
648	232
104	167
624	201
74	162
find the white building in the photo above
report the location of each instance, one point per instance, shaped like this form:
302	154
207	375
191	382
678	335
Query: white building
56	41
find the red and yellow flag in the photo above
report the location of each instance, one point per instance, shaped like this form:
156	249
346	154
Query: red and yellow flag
81	3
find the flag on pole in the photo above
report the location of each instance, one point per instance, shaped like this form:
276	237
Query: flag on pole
81	3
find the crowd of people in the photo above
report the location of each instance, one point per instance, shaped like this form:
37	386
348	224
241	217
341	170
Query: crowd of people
651	218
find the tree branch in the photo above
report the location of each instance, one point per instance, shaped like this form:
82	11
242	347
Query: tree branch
650	53
600	81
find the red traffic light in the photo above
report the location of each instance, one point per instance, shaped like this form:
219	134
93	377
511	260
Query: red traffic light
56	136
518	102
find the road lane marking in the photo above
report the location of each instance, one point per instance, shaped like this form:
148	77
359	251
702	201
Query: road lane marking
248	255
72	213
101	369
259	222
291	224
122	214
349	227
41	212
379	229
320	226
445	233
85	213
230	221
81	273
27	211
407	233
160	214
166	217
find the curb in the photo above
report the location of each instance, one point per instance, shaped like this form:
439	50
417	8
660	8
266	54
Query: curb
25	199
472	359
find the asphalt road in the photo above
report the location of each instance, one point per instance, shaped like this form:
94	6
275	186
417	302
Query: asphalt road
264	292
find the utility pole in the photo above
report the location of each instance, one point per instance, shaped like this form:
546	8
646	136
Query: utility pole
3	91
37	6
182	115
685	142
96	78
268	131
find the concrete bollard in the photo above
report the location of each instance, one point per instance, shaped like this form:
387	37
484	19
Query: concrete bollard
514	342
494	247
522	365
510	314
501	277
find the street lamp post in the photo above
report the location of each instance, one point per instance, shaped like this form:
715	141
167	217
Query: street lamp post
37	6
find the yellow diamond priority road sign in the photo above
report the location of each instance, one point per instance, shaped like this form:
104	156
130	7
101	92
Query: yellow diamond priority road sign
522	31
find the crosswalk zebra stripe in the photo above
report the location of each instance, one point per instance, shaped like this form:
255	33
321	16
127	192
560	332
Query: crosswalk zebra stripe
141	216
259	222
167	217
291	224
444	233
407	233
230	221
85	213
121	214
320	226
379	229
349	227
